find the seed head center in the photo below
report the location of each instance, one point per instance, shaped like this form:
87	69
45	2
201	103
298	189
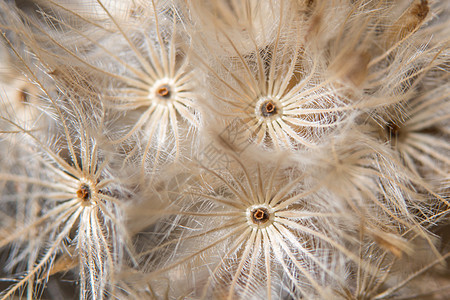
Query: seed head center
84	193
260	216
268	108
24	96
163	92
393	129
394	133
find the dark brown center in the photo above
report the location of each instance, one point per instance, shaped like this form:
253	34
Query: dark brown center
84	193
268	109
260	215
23	96
393	130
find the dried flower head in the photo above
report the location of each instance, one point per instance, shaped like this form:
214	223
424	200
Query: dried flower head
253	233
319	131
71	204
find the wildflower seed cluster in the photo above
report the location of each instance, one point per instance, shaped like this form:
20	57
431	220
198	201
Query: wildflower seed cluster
224	149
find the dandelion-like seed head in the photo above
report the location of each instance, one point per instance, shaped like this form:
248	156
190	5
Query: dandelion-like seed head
332	123
260	216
